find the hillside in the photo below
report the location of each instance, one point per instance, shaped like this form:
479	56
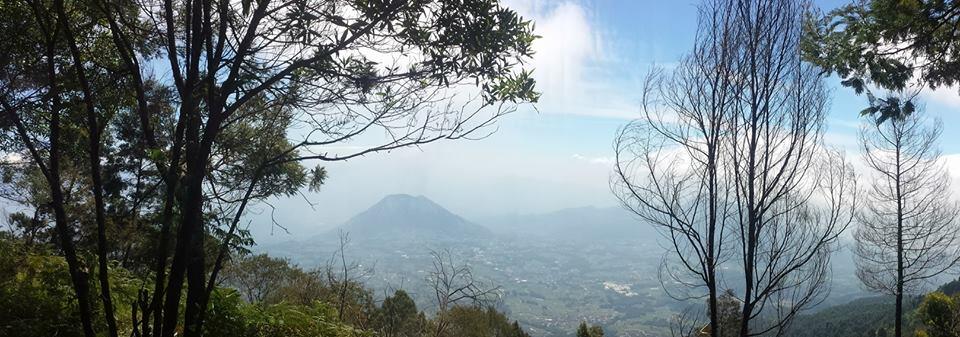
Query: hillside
860	317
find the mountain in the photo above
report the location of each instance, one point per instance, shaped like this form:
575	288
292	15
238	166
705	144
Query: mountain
574	224
407	217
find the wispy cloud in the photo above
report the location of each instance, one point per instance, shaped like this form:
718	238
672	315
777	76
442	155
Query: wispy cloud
573	62
600	160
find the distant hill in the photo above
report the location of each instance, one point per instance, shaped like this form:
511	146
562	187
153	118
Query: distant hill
860	317
574	224
407	217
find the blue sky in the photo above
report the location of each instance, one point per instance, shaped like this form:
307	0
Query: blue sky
589	65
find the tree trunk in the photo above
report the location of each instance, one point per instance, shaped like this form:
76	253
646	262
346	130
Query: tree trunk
711	242
714	316
898	320
77	276
97	181
749	260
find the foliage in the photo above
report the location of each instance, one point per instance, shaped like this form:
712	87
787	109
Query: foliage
229	315
728	313
951	288
589	331
146	134
398	317
273	281
884	43
477	321
36	297
940	315
852	319
35	294
258	276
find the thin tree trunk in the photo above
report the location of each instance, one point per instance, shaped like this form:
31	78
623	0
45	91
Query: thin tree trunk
898	320
711	242
97	180
166	221
714	316
750	239
52	175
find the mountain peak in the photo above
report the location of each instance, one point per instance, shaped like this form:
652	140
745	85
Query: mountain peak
404	215
407	199
401	196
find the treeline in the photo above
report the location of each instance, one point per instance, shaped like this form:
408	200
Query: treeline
261	296
934	314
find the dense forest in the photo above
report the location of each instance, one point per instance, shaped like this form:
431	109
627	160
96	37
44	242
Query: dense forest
136	137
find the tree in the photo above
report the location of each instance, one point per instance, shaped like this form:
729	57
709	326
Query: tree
453	284
258	277
481	321
907	231
887	43
589	331
43	99
583	330
725	167
398	316
668	164
728	307
940	314
302	76
793	197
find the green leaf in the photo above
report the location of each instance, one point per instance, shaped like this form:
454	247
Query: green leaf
318	176
908	108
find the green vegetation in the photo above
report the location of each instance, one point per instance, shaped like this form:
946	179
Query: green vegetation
939	315
589	331
891	44
935	314
858	318
36	300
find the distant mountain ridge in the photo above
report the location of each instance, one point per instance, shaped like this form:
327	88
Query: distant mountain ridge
407	217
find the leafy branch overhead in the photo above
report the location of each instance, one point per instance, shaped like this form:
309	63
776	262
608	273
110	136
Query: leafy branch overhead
891	44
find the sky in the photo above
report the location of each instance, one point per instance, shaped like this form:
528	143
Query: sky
589	65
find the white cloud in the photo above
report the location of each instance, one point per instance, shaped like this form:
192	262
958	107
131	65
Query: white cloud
567	45
573	62
601	160
947	96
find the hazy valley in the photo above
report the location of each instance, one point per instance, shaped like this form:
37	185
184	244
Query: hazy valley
556	269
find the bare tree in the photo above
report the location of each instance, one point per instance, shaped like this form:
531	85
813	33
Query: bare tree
793	197
907	232
350	273
668	163
687	323
453	283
